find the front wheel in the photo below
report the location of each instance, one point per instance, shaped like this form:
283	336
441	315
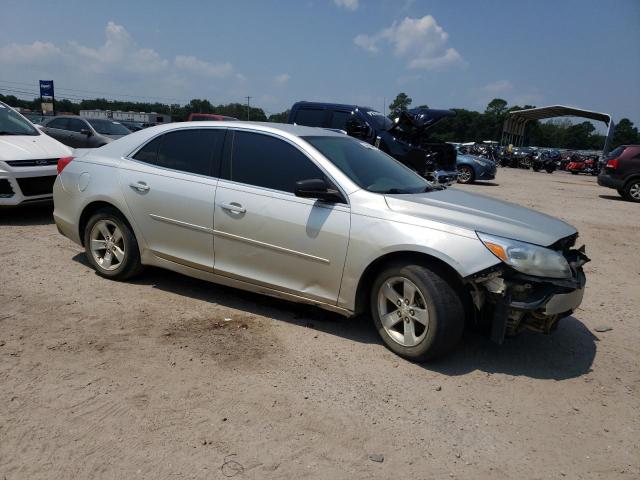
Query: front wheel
417	313
466	174
110	246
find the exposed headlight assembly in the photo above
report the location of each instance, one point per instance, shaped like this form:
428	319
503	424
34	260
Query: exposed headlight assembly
526	257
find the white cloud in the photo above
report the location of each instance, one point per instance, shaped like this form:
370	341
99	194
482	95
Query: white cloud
282	79
194	65
118	64
348	4
420	41
366	42
36	52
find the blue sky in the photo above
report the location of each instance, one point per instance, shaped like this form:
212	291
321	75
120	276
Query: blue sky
442	53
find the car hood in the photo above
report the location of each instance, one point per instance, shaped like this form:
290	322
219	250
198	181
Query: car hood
482	214
26	147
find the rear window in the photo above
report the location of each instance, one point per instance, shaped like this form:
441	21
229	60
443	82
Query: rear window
616	152
310	117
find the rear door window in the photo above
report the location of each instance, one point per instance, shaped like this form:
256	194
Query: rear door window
75	125
268	162
310	117
339	119
191	151
60	123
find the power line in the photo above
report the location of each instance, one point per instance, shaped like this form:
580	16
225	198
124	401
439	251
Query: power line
77	90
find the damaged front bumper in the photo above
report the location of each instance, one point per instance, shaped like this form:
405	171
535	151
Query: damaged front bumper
511	302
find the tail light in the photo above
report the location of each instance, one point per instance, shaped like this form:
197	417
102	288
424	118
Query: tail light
63	162
612	164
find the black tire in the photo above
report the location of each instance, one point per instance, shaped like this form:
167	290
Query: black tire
446	316
130	265
550	169
470	176
631	189
573	172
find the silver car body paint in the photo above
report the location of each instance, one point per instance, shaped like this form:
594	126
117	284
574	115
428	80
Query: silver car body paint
273	242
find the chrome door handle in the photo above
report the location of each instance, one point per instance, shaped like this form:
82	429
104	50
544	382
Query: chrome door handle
140	186
233	207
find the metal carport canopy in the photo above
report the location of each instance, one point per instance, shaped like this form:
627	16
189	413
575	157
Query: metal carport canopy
513	129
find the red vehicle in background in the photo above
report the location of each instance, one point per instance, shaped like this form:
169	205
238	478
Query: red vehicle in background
208	117
588	165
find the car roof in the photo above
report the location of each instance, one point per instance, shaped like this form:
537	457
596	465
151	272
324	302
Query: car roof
129	143
295	130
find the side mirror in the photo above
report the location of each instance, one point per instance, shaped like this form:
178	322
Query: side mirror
318	188
86	131
357	128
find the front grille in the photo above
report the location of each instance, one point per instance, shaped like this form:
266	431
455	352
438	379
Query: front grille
5	188
36	162
36	185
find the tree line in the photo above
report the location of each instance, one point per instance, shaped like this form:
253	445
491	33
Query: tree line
472	126
465	126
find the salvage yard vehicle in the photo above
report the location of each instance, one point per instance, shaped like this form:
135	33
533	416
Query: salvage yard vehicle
622	172
28	160
315	216
203	117
584	164
473	167
406	138
79	132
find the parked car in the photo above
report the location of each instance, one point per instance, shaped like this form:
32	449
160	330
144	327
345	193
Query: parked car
472	168
133	126
622	172
28	160
204	117
406	139
315	216
79	132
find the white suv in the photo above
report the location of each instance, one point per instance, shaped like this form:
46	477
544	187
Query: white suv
28	160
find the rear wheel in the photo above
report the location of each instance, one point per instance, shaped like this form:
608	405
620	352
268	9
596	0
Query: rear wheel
110	245
417	313
466	174
631	190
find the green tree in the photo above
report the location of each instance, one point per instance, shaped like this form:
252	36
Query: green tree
624	133
399	104
279	117
496	107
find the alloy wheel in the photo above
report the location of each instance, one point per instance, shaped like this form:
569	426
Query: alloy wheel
464	175
634	191
107	245
403	311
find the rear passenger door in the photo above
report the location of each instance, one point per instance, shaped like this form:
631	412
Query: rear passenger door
266	235
169	186
58	128
77	139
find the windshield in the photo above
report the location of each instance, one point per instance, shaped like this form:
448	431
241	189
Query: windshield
109	127
379	120
368	167
12	123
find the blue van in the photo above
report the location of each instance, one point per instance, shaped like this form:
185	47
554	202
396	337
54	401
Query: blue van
405	138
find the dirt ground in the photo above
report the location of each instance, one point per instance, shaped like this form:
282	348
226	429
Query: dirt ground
170	377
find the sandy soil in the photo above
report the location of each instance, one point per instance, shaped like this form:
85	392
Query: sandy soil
170	377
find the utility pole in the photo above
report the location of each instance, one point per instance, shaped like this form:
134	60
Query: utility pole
248	98
384	106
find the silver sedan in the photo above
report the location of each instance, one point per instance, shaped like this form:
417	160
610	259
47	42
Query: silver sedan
314	216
